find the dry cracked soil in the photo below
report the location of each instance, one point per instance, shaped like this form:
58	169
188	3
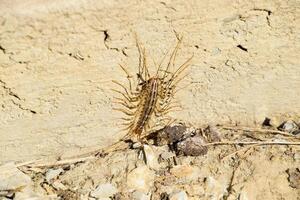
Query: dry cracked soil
240	105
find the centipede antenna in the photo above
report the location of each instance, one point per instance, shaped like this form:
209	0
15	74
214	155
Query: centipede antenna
175	55
162	60
143	70
172	55
153	60
147	74
140	71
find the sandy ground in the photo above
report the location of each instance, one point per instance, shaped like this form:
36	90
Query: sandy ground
57	60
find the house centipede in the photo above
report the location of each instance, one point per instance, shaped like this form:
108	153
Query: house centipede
153	95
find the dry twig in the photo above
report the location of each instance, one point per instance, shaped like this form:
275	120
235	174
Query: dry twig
259	130
251	143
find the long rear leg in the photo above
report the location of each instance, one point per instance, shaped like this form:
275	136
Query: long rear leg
178	72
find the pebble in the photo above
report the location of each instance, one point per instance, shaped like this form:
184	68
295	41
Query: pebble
11	178
289	126
212	133
192	146
58	185
28	193
294	177
106	190
215	189
187	172
171	134
167	155
136	145
215	51
297	156
178	196
53	173
141	179
137	195
151	157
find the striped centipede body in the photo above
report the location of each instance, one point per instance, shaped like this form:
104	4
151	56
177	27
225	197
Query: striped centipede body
153	97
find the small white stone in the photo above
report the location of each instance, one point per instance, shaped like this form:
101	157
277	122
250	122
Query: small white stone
215	51
178	196
141	178
137	195
59	186
53	173
11	178
136	145
297	156
151	157
290	126
243	196
167	155
104	191
215	189
4	198
28	193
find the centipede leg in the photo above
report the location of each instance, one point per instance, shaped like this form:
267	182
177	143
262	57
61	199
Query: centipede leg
124	101
168	108
128	98
128	77
126	124
130	107
130	93
126	112
176	91
179	71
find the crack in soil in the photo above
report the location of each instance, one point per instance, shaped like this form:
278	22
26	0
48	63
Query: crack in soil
15	96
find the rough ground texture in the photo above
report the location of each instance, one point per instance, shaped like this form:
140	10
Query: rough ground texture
161	172
57	60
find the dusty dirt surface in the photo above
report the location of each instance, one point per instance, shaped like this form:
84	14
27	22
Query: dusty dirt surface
268	168
57	60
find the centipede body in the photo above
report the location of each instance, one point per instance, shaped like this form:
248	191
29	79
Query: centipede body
153	96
